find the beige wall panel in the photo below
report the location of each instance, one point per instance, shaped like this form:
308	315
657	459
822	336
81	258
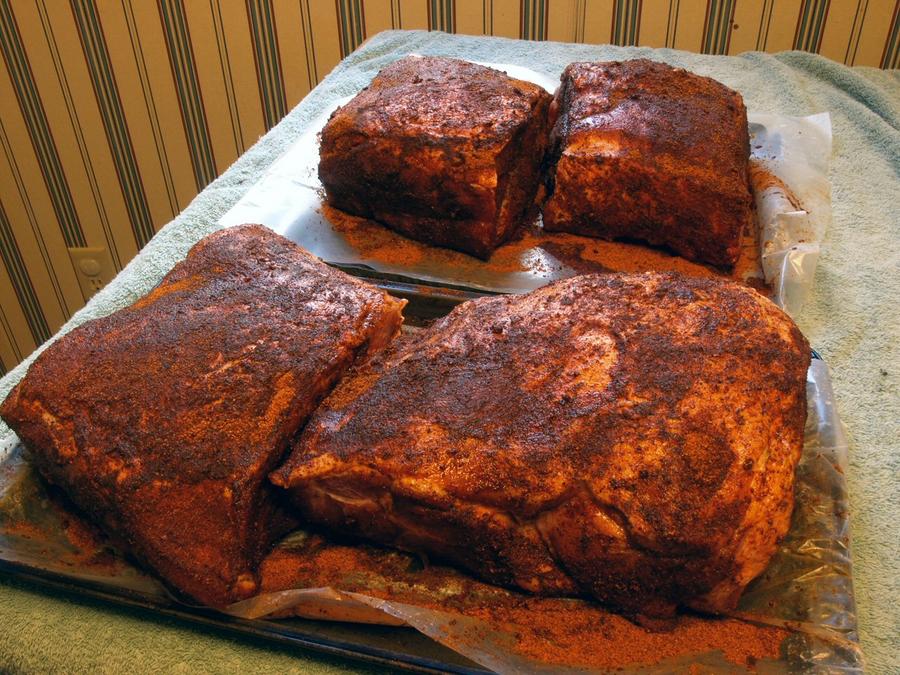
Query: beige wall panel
598	17
46	229
16	341
243	70
505	18
655	23
292	51
57	101
65	33
855	32
838	29
563	20
873	34
378	15
689	26
153	167
40	243
470	17
326	43
782	25
210	45
227	78
745	26
414	14
43	253
151	63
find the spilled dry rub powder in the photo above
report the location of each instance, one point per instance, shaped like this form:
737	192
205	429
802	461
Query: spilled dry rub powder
552	631
545	254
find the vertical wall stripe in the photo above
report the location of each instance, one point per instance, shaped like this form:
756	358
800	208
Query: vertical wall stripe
227	77
672	23
190	97
90	32
450	15
34	224
268	61
10	339
626	22
580	12
810	24
442	15
12	260
891	56
351	24
765	20
309	41
717	29
150	105
10	353
859	18
708	18
534	19
87	165
16	340
38	128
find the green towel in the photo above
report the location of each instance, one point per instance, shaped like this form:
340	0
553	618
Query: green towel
852	319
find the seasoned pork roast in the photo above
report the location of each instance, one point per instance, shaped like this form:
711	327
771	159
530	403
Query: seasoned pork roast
628	437
645	151
444	151
163	420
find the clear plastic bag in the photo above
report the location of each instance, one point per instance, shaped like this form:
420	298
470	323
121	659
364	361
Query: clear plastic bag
789	159
806	589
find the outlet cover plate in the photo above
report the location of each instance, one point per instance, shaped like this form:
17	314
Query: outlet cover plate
93	267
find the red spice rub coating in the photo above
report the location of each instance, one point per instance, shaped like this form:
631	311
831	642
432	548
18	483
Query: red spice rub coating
444	151
647	151
630	437
162	420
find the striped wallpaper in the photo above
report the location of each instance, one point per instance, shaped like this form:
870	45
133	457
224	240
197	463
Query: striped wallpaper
115	113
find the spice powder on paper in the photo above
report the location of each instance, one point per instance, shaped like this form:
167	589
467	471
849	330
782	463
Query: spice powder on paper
551	631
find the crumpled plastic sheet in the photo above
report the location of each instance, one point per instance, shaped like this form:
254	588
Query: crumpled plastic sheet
807	587
793	211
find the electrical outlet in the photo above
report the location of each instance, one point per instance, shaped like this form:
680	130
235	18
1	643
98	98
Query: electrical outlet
93	267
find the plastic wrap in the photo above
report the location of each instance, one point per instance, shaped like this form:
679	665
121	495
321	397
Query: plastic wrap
789	172
807	588
789	158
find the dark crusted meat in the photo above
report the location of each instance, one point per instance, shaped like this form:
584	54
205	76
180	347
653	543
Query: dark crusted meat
646	151
444	151
162	421
629	437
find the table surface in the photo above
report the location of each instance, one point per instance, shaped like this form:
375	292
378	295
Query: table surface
852	320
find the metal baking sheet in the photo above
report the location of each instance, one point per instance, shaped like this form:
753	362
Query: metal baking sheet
806	589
